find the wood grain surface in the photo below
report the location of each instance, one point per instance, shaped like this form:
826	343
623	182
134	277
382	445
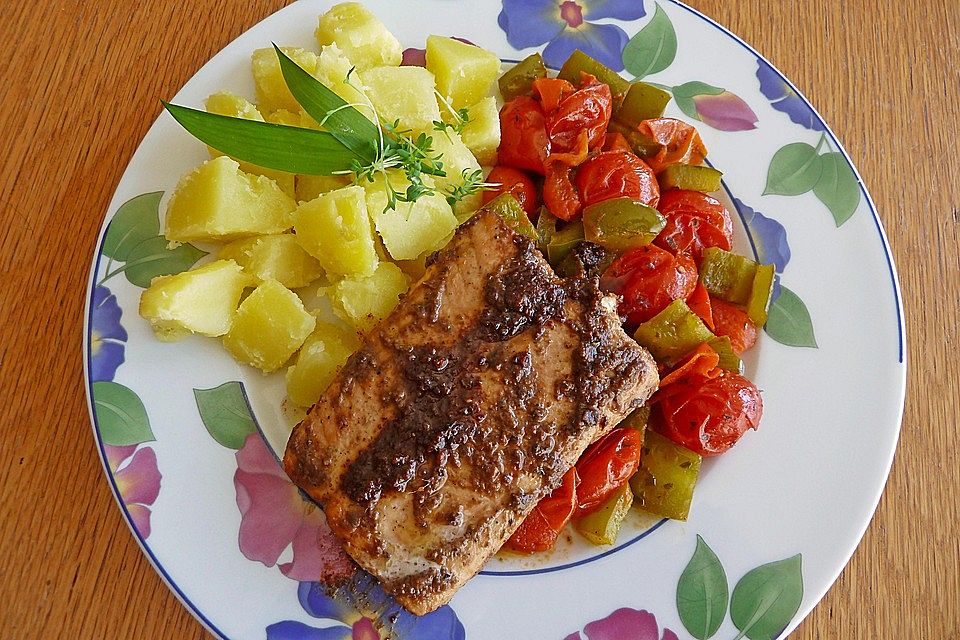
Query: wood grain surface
80	86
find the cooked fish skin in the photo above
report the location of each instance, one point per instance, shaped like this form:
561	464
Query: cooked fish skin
463	409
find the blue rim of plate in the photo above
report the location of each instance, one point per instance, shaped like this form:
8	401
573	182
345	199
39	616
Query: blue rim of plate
898	301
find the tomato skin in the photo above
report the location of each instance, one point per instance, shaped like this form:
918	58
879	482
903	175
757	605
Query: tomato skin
540	529
524	143
616	141
606	466
733	322
551	92
699	303
708	416
559	195
679	142
587	109
515	182
649	278
615	174
695	221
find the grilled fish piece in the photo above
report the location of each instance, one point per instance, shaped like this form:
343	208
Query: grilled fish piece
463	409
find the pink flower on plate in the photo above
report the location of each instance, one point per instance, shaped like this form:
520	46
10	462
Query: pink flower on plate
624	624
714	106
138	481
274	516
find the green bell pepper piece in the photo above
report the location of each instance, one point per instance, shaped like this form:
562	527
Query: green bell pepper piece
687	176
546	228
637	419
579	61
507	207
518	80
729	360
564	241
642	102
643	146
663	485
759	301
619	224
603	525
673	333
727	275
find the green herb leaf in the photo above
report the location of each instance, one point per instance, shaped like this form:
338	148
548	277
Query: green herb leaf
274	146
121	416
342	121
154	257
226	414
702	593
795	169
653	49
789	321
766	599
837	187
136	220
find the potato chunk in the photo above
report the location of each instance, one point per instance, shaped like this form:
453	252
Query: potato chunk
413	227
360	35
335	229
312	187
272	91
464	72
404	94
333	67
319	361
269	327
219	202
363	302
203	300
482	133
456	159
279	257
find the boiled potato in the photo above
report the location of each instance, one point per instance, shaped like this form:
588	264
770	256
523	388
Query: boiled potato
360	35
219	202
333	67
272	91
363	302
311	187
319	361
284	117
456	159
203	300
269	327
413	228
464	72
482	132
404	94
335	229
277	257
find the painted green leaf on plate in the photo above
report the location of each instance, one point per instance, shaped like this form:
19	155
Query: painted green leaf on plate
653	48
226	414
683	95
789	321
702	593
795	169
121	416
837	187
154	257
136	220
766	599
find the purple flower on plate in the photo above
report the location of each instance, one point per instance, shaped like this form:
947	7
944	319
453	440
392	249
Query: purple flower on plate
566	26
365	612
138	481
783	98
624	624
274	516
719	108
106	335
769	240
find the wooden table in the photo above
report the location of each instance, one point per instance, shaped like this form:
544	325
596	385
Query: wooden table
80	88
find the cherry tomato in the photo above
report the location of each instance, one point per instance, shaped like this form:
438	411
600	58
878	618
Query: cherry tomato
699	303
615	174
523	135
649	279
606	466
540	529
587	109
616	141
733	322
559	194
679	142
706	415
551	92
515	182
695	221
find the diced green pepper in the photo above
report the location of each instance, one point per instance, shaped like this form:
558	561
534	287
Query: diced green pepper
546	228
643	146
673	333
729	360
637	419
507	207
518	80
564	241
642	102
687	176
664	483
603	525
727	275
619	224
579	61
760	294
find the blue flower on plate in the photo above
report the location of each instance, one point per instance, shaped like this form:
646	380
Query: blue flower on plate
565	27
783	98
769	240
106	335
365	612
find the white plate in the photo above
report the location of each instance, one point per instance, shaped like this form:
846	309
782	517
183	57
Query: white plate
782	512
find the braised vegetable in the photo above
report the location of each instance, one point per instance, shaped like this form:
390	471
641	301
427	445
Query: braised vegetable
523	135
508	208
516	183
648	279
642	145
734	323
637	420
542	526
518	80
606	466
579	62
695	221
572	115
673	333
699	303
679	142
726	275
642	102
546	228
728	358
685	176
702	361
760	294
616	174
586	256
563	241
621	223
603	525
664	483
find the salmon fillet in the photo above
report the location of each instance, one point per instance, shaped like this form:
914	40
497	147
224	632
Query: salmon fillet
463	409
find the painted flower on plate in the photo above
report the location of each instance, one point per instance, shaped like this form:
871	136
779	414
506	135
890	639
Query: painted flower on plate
365	612
107	335
567	25
783	98
719	108
624	624
138	481
274	516
769	240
